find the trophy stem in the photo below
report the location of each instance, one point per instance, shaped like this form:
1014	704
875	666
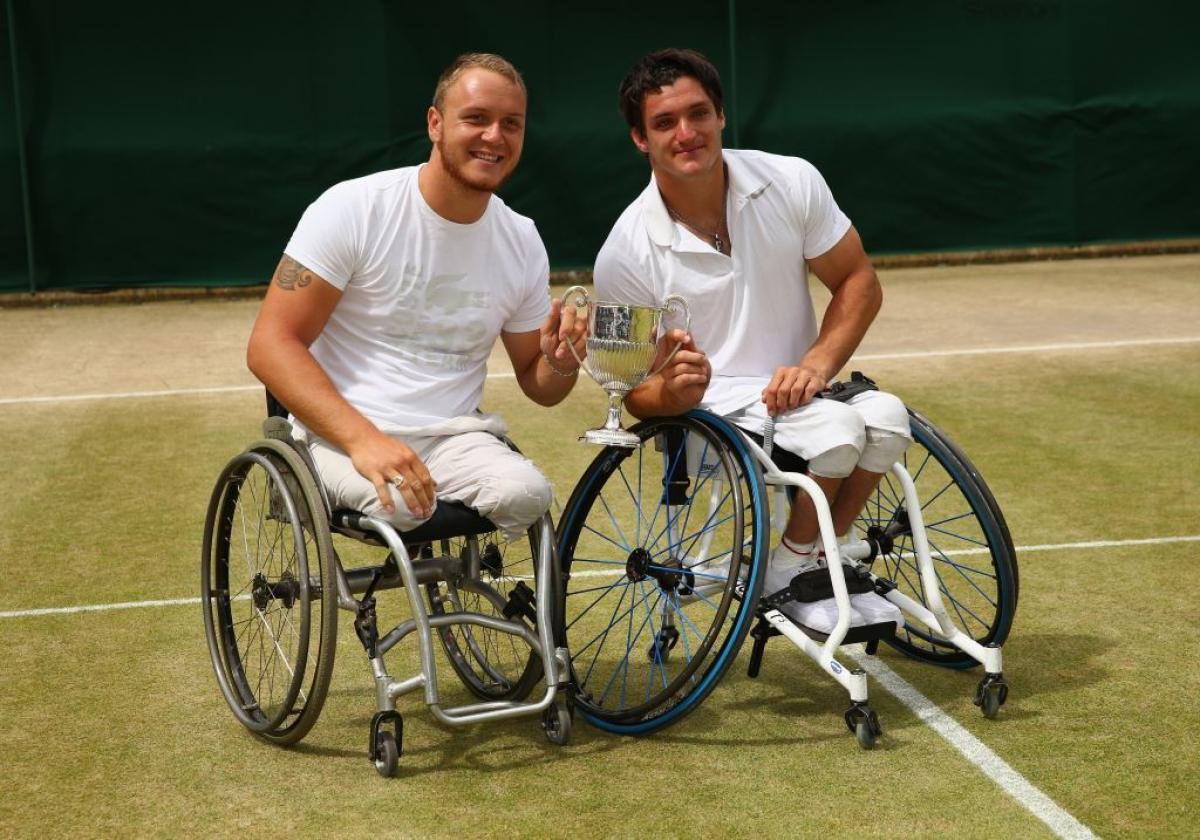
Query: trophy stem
613	423
611	433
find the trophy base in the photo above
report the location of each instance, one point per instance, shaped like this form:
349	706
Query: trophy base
612	437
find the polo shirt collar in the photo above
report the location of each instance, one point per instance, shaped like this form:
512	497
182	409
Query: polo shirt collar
744	184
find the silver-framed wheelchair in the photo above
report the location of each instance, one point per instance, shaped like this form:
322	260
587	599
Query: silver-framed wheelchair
272	584
664	549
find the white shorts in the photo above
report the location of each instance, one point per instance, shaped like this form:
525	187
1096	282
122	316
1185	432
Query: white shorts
822	425
475	468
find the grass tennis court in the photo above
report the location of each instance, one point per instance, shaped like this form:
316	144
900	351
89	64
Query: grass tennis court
1073	386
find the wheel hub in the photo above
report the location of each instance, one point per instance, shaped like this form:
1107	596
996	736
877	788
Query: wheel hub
636	564
492	561
286	589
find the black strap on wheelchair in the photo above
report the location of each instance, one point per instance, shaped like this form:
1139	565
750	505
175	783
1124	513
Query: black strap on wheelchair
816	585
676	481
859	383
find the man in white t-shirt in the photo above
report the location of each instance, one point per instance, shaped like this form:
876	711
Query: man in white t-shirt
377	326
735	232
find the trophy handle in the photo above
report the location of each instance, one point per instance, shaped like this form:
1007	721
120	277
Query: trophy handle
675	301
580	299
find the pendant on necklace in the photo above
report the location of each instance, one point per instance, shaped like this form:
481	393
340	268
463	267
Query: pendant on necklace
718	243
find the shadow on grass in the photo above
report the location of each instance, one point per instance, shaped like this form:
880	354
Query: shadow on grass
1035	664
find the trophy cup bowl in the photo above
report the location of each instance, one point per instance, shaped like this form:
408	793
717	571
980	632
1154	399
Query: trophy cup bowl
621	345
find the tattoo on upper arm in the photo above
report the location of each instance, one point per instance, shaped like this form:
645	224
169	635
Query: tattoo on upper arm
292	275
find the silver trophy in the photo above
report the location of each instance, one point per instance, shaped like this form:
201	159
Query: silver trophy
621	345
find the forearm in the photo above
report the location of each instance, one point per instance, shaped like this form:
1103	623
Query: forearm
653	399
851	311
547	385
289	371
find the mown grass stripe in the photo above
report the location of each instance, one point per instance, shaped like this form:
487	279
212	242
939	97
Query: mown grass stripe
975	751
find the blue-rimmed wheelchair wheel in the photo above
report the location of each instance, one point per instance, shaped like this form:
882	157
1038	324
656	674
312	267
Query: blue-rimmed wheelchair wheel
969	544
268	592
662	550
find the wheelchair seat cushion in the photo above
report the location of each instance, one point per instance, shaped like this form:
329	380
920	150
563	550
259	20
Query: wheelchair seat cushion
450	519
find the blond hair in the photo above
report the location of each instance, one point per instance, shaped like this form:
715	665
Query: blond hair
469	61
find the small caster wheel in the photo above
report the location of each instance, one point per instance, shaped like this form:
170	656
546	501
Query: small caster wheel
556	721
864	723
384	747
387	755
991	694
865	735
660	648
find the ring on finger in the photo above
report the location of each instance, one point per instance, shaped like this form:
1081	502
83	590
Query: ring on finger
396	481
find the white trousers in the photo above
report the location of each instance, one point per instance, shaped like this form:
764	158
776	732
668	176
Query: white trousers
868	428
475	468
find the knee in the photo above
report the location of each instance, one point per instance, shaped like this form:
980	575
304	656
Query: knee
514	502
883	448
837	462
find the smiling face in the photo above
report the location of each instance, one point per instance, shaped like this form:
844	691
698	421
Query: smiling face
479	130
682	130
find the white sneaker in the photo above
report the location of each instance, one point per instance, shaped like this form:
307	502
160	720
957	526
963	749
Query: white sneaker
821	616
875	609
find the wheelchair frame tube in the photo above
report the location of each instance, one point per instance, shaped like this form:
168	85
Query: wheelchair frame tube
774	476
554	660
941	622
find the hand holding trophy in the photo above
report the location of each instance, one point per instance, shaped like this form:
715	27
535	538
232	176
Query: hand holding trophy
621	345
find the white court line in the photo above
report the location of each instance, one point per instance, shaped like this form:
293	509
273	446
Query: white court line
128	605
175	392
975	751
1030	348
872	357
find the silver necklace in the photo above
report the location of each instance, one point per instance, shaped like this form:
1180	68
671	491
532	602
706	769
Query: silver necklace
720	244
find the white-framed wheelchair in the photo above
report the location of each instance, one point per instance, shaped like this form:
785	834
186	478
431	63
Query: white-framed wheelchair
272	584
664	549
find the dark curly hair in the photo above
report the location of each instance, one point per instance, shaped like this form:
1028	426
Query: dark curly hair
661	68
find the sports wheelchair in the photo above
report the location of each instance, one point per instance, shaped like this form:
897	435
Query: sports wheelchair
272	584
664	547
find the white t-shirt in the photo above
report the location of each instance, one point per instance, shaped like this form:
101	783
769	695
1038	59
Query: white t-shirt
751	312
423	298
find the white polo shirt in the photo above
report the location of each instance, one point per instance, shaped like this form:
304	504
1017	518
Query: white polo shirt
751	312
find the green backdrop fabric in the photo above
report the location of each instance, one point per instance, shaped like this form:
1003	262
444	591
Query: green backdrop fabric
172	145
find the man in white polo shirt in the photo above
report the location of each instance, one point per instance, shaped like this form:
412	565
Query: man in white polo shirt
735	232
377	326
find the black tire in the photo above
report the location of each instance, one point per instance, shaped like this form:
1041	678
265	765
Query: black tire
492	664
621	566
268	592
387	755
556	723
969	544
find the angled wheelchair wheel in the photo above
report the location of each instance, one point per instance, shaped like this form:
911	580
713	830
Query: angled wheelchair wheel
492	664
662	550
269	593
969	544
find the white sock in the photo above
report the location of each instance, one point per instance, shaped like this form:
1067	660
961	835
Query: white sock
790	554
